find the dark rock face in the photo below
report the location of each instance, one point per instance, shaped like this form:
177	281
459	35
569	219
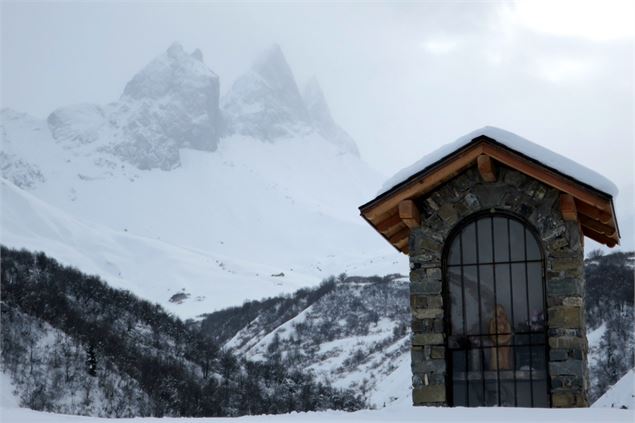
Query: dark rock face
174	99
562	243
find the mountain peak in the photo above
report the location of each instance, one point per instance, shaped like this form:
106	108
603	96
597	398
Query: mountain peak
171	103
197	54
174	71
175	49
271	58
265	102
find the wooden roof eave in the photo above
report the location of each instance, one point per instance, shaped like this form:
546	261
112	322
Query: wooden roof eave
593	204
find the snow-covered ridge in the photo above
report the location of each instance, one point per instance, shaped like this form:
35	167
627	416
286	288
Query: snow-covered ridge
515	142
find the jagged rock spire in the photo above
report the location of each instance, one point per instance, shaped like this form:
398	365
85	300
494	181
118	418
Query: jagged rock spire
265	102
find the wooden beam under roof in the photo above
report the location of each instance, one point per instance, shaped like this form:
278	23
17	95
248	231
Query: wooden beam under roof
486	168
567	207
597	226
400	236
409	214
389	223
602	239
592	212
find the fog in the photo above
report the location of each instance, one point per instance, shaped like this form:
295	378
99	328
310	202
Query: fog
402	78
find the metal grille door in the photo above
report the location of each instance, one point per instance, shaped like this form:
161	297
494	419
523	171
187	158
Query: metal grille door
497	352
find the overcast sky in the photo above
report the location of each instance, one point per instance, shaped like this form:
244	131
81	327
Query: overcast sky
401	77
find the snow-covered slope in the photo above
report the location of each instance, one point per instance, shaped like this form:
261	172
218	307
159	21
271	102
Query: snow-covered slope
620	395
354	334
219	224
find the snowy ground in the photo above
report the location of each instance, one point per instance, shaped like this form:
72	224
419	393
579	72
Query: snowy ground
401	411
397	413
622	394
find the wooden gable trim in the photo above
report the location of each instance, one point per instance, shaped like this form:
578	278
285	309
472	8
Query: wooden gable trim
592	208
545	175
376	210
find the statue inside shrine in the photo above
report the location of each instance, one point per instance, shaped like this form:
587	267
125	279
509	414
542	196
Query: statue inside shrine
500	334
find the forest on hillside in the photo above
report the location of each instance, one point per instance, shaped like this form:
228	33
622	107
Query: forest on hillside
72	344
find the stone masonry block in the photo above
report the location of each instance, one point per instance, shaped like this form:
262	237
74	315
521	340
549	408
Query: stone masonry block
429	366
567	287
428	339
428	394
568	367
565	317
433	287
427	313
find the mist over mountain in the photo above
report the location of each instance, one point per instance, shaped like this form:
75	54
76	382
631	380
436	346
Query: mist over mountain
323	121
171	191
173	103
265	102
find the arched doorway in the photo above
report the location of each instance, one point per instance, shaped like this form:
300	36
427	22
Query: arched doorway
496	309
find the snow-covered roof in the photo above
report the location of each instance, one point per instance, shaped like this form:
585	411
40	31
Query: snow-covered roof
521	145
585	195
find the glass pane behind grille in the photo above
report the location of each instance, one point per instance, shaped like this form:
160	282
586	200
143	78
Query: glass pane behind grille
497	343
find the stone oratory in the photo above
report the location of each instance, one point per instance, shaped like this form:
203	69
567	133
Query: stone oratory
494	226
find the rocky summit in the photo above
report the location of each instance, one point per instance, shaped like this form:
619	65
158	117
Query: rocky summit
171	103
265	102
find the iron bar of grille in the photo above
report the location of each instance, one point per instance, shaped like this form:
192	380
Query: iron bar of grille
503	334
511	294
498	262
465	341
498	390
480	320
467	390
543	286
531	381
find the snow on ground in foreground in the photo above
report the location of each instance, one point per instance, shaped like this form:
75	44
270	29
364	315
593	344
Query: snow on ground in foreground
622	394
401	411
397	413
